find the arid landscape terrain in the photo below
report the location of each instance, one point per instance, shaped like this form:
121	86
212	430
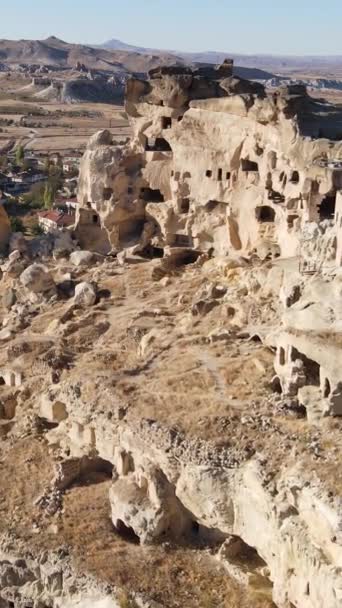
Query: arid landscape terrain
50	125
170	328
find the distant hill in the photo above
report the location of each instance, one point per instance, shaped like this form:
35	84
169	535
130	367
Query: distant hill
118	45
273	63
56	52
117	57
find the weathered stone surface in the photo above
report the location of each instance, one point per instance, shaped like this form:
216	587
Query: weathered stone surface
37	279
217	164
5	230
164	394
85	294
81	258
9	298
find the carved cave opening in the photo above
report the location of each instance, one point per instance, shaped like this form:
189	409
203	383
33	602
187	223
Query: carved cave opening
249	165
311	367
149	252
158	144
126	532
282	359
276	197
327	207
326	388
107	193
166	122
265	214
185	205
182	240
294	177
151	196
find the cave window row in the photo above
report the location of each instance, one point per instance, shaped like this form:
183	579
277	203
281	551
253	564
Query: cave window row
209	173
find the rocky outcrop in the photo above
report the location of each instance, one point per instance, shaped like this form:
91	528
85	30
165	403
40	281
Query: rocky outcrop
219	165
5	230
200	393
37	279
165	485
25	580
110	217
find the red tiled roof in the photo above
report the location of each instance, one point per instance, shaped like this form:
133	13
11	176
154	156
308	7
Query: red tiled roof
61	219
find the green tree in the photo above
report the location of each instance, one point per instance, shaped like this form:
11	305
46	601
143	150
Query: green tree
19	154
47	165
3	163
56	175
35	198
49	195
25	164
17	224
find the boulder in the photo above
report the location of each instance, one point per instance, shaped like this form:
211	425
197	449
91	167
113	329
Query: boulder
85	294
14	256
14	268
37	279
146	503
81	258
6	334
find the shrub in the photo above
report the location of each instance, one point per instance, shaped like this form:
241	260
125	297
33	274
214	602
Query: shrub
37	230
19	154
17	224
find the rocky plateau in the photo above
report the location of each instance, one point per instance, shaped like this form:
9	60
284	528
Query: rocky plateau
171	367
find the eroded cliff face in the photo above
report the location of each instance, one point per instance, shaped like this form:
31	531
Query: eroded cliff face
175	407
154	415
5	230
222	165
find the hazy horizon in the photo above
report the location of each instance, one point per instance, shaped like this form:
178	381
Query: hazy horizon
195	26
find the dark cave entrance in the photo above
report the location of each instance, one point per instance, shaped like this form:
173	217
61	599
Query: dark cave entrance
151	196
249	165
265	214
126	532
327	207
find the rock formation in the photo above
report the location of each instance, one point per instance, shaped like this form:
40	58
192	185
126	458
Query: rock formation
217	164
5	230
171	391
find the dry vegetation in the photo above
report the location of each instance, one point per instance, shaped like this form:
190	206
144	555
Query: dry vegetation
174	575
51	126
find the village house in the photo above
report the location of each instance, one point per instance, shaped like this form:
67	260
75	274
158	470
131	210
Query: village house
70	165
72	204
29	177
55	220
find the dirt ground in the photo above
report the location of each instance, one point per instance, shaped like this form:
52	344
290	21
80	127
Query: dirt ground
174	575
218	391
52	126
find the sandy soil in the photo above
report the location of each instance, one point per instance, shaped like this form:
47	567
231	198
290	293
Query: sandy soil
55	126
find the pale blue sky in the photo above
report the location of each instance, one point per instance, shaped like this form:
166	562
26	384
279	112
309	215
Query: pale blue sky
240	26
